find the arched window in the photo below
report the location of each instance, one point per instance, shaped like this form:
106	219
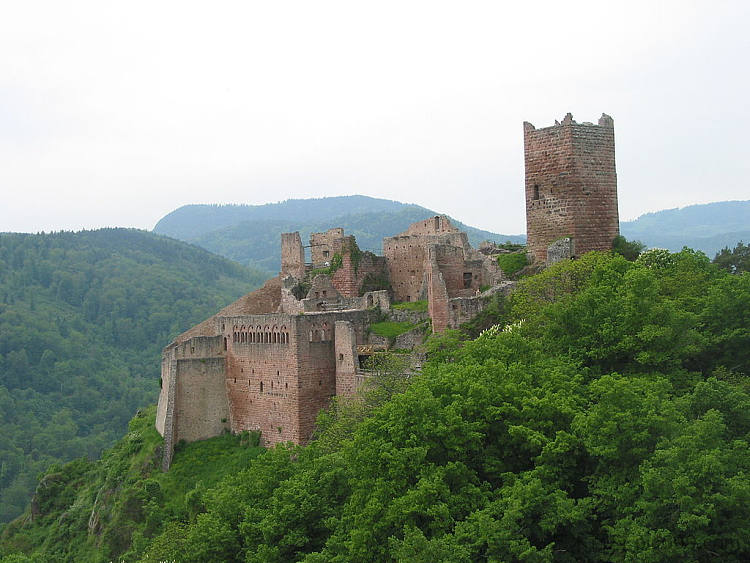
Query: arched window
261	387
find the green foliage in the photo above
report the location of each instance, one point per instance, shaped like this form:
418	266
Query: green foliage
391	329
374	282
495	313
83	319
301	289
512	246
630	249
417	306
336	263
734	261
512	263
604	418
656	258
115	507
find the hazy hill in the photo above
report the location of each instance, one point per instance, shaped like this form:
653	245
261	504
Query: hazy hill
83	317
250	233
708	227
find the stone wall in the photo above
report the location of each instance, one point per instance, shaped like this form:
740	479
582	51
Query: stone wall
292	255
405	257
281	370
559	250
437	225
201	406
409	340
261	375
347	362
349	277
571	185
407	254
324	245
437	298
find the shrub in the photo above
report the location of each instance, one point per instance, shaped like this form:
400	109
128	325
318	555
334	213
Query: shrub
512	263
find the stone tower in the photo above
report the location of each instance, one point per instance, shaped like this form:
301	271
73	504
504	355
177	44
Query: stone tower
571	185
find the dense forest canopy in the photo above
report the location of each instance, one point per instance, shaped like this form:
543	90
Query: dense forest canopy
603	416
83	318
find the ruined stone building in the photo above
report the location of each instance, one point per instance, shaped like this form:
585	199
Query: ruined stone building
571	187
274	358
271	360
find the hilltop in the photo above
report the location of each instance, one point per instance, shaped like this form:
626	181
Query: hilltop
250	234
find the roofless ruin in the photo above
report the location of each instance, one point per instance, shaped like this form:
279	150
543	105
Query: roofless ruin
272	359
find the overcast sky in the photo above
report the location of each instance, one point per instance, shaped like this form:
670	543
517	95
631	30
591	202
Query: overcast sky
114	114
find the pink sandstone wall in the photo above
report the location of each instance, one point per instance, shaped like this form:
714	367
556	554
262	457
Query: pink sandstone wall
571	185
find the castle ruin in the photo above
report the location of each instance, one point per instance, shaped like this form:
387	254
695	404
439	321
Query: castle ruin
270	361
274	358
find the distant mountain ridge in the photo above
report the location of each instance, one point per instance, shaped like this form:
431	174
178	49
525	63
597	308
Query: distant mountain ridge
708	227
250	234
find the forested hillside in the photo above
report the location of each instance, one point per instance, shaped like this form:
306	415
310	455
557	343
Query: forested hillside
83	317
250	234
604	416
707	227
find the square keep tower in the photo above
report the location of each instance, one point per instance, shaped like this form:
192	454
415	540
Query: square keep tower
571	185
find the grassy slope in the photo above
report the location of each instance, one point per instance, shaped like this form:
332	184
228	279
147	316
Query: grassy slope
102	510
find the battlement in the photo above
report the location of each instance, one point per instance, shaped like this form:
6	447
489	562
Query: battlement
604	121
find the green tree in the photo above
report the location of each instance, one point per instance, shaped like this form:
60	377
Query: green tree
630	249
734	261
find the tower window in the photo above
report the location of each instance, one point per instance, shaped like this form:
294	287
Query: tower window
536	191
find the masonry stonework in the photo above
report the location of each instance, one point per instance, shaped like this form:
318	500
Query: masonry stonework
571	185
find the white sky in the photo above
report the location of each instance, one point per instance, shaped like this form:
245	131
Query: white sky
115	113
